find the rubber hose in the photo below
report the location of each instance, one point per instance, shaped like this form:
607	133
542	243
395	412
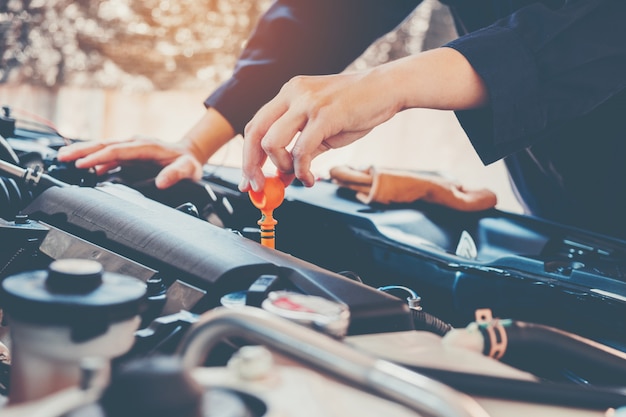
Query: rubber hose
547	349
428	322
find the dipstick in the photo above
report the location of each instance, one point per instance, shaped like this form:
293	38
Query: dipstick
267	200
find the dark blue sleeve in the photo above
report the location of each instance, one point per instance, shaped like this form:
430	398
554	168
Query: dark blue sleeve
302	37
543	69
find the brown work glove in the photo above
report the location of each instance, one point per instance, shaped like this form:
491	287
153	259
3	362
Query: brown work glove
395	186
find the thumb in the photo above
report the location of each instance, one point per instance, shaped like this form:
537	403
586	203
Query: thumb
183	167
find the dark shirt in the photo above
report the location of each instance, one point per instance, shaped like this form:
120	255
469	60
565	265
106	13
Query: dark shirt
555	71
556	76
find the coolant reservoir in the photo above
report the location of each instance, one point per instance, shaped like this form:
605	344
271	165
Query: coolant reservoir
60	316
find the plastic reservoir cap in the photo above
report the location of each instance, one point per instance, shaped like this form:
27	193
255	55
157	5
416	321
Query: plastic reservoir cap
74	276
72	292
328	316
270	197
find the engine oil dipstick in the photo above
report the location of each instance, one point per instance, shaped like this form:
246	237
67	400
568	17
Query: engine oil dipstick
267	200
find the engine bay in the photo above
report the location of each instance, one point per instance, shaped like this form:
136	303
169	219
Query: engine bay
121	299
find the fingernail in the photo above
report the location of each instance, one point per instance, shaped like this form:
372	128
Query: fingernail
243	183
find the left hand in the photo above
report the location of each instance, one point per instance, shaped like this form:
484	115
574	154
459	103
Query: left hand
178	161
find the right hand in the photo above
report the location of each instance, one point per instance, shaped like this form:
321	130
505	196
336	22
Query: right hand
312	114
178	161
309	116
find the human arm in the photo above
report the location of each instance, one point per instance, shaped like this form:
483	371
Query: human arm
304	37
556	109
546	69
180	160
542	69
293	37
333	111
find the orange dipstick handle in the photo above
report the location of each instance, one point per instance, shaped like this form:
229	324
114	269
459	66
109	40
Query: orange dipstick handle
267	200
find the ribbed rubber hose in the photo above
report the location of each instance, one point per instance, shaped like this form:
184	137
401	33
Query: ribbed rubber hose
430	323
547	347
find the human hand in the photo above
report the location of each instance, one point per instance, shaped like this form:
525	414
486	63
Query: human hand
178	161
313	114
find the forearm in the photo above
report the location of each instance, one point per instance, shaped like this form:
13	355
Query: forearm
209	134
302	37
437	79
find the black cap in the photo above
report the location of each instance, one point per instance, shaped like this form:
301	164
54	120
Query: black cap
157	386
75	293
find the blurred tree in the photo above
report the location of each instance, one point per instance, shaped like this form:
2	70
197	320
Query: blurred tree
148	44
143	44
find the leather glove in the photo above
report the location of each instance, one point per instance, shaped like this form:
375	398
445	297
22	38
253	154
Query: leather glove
395	186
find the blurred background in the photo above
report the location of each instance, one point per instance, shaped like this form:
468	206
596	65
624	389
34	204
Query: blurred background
117	68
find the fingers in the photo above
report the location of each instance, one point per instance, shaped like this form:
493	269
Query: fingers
282	121
105	156
183	167
286	178
125	151
314	114
253	159
89	154
309	144
278	137
104	168
81	152
254	156
273	144
78	150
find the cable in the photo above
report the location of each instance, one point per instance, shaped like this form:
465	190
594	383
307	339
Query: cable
421	319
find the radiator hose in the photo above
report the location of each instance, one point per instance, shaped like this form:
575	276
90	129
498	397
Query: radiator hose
545	351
